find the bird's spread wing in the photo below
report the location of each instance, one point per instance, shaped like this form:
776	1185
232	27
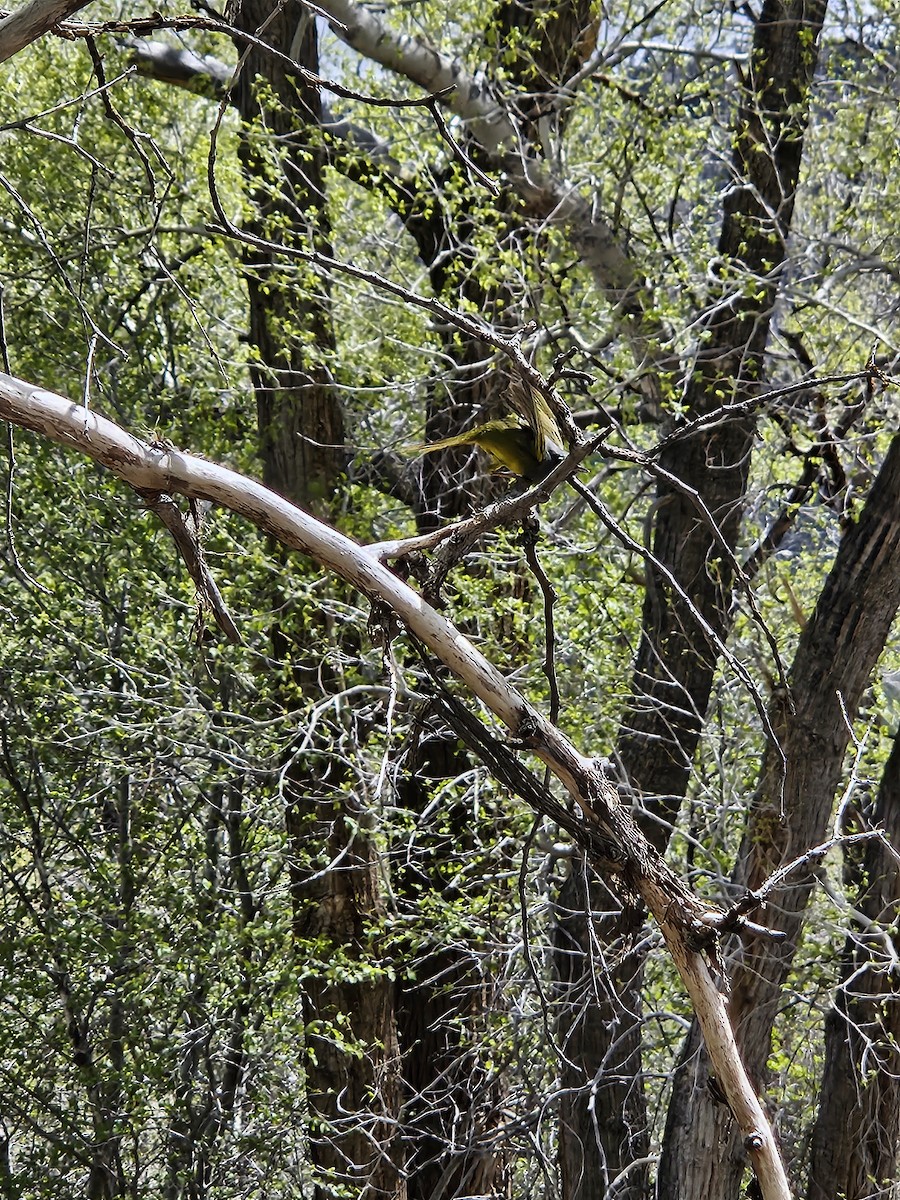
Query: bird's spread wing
531	405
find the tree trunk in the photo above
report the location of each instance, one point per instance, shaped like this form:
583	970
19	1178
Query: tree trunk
300	420
442	1070
856	1137
603	1135
837	652
449	1106
352	1057
352	1068
676	661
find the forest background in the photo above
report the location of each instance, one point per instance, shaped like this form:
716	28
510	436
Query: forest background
285	912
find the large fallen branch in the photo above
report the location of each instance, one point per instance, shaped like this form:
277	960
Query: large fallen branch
689	927
20	28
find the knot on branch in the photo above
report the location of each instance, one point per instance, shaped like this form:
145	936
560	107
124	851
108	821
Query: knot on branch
528	732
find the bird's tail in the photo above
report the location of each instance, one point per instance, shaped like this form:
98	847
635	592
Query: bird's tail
448	443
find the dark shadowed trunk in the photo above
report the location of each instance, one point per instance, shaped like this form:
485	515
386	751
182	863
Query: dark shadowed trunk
837	652
351	1061
450	1103
676	662
597	1029
300	420
856	1137
440	1009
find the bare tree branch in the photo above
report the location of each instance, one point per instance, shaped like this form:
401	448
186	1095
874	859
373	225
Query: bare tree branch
187	541
201	74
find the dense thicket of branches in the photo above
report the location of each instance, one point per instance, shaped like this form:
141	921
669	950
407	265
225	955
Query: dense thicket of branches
283	913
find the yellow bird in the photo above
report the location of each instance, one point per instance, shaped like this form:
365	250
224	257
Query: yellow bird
528	442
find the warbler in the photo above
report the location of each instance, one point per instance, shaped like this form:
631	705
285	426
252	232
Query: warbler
527	442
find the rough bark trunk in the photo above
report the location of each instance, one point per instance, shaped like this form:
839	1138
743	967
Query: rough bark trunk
544	44
300	420
603	1136
352	1058
856	1138
676	663
437	1023
440	1000
352	1066
837	652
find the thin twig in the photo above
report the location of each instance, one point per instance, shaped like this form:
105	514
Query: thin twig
188	545
733	917
446	134
713	638
143	25
20	571
529	541
740	408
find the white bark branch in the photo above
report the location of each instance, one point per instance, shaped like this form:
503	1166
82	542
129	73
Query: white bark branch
471	99
489	123
548	198
685	922
24	26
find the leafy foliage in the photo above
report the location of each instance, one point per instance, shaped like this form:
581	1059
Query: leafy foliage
158	1033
